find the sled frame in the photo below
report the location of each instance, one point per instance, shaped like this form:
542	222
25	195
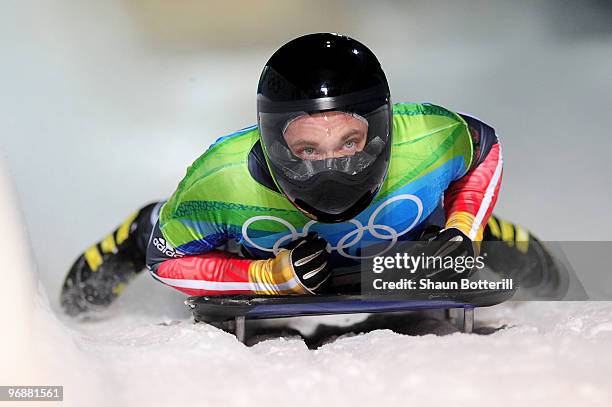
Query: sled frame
467	324
233	312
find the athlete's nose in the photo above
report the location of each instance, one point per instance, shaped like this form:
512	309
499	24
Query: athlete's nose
334	154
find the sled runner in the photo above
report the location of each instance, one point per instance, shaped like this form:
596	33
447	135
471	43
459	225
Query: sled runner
239	308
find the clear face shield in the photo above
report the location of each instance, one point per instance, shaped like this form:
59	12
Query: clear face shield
320	136
308	144
326	162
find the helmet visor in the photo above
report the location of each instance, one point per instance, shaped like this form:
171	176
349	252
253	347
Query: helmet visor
301	145
329	160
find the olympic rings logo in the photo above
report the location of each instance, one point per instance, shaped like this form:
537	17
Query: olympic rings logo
379	231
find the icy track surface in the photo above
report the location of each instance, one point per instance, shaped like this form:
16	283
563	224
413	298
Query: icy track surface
151	352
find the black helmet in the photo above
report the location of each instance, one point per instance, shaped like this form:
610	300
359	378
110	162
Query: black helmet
306	83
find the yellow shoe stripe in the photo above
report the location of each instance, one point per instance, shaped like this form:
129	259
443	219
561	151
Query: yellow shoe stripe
93	258
522	239
507	231
118	289
108	244
495	230
124	229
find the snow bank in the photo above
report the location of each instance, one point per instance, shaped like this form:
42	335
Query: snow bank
35	348
17	288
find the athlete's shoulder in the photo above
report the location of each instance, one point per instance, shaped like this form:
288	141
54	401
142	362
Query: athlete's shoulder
477	126
422	109
222	165
226	152
424	120
428	137
246	132
234	143
430	109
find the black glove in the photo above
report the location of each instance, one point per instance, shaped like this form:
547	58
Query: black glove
446	243
309	259
453	242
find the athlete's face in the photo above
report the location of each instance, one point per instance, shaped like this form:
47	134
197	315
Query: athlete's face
326	135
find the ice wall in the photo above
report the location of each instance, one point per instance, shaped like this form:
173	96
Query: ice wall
17	289
35	347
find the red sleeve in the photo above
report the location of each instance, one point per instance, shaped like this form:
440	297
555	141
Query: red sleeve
469	201
213	273
218	272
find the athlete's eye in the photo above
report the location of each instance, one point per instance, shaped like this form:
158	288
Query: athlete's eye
350	144
308	151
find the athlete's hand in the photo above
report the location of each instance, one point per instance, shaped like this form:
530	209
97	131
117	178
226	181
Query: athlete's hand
309	259
451	243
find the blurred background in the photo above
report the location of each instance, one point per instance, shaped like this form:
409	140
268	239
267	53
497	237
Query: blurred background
103	105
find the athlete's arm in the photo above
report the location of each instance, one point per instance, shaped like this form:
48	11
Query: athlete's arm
299	269
469	200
